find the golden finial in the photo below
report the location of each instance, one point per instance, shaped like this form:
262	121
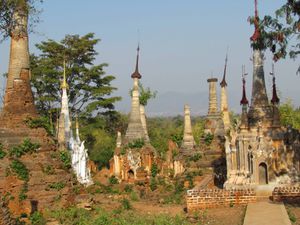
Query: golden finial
64	84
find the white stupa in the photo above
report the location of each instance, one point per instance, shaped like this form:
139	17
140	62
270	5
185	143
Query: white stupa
78	152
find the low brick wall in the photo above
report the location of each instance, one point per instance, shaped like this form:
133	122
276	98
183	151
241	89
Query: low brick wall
213	198
286	194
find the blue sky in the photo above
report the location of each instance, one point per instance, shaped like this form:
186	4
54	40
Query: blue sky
182	44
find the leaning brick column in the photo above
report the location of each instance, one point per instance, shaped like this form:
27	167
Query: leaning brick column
213	104
188	138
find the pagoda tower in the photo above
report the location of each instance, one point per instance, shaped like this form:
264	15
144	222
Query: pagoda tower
260	110
224	102
244	102
188	138
64	132
135	128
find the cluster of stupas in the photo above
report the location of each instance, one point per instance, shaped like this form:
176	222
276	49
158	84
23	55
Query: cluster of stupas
67	140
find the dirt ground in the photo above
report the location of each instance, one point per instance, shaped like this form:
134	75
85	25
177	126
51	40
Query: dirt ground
219	216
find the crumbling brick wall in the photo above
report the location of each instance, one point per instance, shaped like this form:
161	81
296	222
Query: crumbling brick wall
286	194
213	198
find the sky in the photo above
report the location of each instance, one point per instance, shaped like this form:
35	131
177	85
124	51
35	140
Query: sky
182	44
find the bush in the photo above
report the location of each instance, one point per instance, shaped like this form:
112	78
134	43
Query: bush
57	186
179	186
208	138
37	219
128	188
42	122
66	159
20	170
196	157
22	195
48	170
139	143
153	184
2	153
113	180
126	204
26	147
154	170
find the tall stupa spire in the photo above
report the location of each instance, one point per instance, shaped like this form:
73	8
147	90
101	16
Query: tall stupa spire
224	102
244	101
64	110
188	142
135	128
275	100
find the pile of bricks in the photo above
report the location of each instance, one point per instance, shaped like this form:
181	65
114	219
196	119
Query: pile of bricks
286	194
213	198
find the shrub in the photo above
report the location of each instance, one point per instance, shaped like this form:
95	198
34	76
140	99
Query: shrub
154	170
153	184
22	195
128	188
26	147
66	159
208	138
113	180
179	186
126	204
2	153
134	196
42	122
37	219
48	170
20	170
196	157
139	143
57	186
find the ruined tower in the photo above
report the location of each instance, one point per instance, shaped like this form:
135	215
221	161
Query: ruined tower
224	102
18	100
135	128
244	102
188	142
213	120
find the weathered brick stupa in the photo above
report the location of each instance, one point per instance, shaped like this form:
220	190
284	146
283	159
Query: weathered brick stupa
26	179
188	142
134	155
213	122
261	153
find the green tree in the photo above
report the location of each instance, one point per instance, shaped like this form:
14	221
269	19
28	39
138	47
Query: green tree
8	21
289	115
89	87
281	33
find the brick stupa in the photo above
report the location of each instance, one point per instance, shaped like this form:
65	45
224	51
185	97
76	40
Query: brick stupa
17	108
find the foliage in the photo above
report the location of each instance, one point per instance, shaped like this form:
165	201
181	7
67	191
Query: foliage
22	195
7	21
163	129
26	147
208	138
113	180
125	203
145	94
89	88
128	188
139	143
2	152
20	170
153	184
154	170
281	33
48	169
195	157
37	219
99	140
289	115
57	186
43	122
65	157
